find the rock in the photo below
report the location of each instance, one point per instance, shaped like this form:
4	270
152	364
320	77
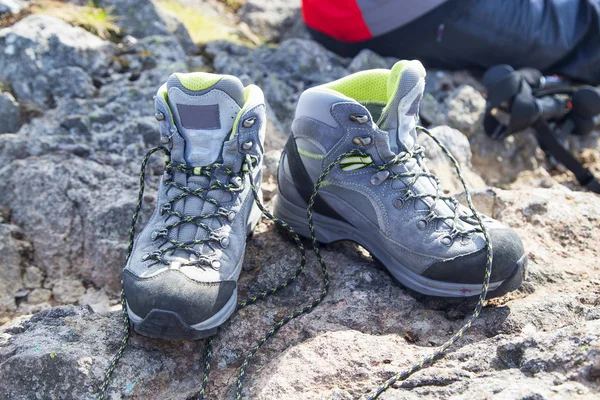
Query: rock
144	19
138	18
440	165
71	82
465	110
11	270
499	163
10	114
270	19
38	296
542	340
271	163
269	182
12	6
67	291
367	59
85	233
33	277
35	51
97	300
176	27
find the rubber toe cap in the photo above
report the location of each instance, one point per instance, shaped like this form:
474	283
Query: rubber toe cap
470	269
173	291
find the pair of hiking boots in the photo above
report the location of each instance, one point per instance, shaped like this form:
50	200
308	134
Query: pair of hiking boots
356	139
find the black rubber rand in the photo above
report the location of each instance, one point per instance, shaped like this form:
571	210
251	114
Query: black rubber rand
303	182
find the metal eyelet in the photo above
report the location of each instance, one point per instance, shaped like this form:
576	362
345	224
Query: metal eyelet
249	122
237	182
148	256
447	241
230	215
224	242
379	177
157	234
362	141
399	203
361	119
422	224
247	145
216	264
159	116
165	208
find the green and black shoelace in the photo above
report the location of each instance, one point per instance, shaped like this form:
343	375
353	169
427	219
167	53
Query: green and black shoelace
402	375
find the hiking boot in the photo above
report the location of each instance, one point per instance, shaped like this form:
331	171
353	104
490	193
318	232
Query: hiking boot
382	196
180	281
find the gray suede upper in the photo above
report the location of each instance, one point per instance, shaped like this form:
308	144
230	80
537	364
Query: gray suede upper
222	149
372	207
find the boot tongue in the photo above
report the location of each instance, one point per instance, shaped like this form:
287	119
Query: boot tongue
204	107
406	83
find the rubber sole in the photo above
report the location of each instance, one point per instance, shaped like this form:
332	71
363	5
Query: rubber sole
166	324
329	230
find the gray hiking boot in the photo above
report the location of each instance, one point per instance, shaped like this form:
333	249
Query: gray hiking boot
426	240
181	279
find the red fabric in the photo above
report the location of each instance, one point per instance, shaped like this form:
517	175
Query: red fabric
340	19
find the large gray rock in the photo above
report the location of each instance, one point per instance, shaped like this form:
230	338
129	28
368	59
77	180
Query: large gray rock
10	114
439	163
270	18
77	214
542	341
37	52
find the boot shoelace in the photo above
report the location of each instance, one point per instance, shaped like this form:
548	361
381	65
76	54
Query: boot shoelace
402	375
453	221
234	183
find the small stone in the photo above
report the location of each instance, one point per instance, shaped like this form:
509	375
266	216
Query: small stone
33	277
466	107
67	291
367	59
96	299
269	18
38	296
270	163
594	370
10	114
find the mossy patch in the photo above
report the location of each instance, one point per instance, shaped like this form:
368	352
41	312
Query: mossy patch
202	28
99	21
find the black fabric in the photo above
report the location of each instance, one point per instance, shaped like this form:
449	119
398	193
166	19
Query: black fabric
554	36
304	184
470	269
173	291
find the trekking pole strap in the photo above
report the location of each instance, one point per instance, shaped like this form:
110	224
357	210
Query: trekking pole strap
547	138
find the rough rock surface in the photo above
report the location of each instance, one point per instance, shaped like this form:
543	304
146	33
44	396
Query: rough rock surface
68	187
37	48
539	342
270	18
10	114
